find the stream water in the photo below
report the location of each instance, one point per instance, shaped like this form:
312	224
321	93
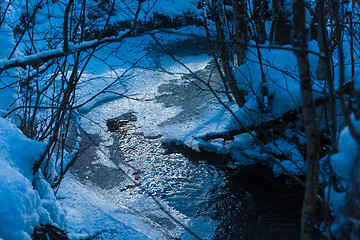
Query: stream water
242	203
219	202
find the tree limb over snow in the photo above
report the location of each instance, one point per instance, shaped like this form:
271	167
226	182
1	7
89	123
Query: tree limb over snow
288	117
45	56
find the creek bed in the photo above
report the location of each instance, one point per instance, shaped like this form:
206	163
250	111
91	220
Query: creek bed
246	202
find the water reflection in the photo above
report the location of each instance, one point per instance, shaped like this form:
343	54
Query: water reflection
234	204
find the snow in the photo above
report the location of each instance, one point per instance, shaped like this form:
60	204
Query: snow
296	164
356	80
207	121
342	163
87	210
280	72
142	85
27	200
172	7
90	212
7	42
12	144
22	208
19	204
115	208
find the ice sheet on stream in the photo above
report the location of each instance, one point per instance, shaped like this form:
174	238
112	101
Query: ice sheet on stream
112	207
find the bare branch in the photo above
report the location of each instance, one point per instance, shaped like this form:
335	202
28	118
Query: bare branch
66	27
45	56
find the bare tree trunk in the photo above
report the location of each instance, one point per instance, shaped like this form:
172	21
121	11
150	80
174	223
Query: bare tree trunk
212	51
281	25
225	53
260	6
321	39
310	124
325	69
241	29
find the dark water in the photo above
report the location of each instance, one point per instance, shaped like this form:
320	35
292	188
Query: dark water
247	202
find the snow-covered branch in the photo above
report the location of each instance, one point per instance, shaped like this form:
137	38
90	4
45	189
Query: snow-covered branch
41	57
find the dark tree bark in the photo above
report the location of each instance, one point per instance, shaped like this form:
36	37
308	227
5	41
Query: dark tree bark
241	22
281	25
336	33
225	52
310	124
213	53
322	38
325	69
259	16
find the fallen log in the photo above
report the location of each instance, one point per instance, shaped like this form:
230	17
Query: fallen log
264	127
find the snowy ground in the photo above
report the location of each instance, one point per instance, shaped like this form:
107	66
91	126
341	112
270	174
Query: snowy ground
96	196
168	105
100	204
105	209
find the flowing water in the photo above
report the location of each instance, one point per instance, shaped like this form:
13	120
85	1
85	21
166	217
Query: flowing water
245	203
219	202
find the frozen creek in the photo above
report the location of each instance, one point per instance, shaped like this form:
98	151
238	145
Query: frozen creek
134	186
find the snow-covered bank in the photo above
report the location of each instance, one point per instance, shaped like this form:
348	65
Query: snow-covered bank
22	206
100	214
279	66
26	200
148	193
344	166
36	208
